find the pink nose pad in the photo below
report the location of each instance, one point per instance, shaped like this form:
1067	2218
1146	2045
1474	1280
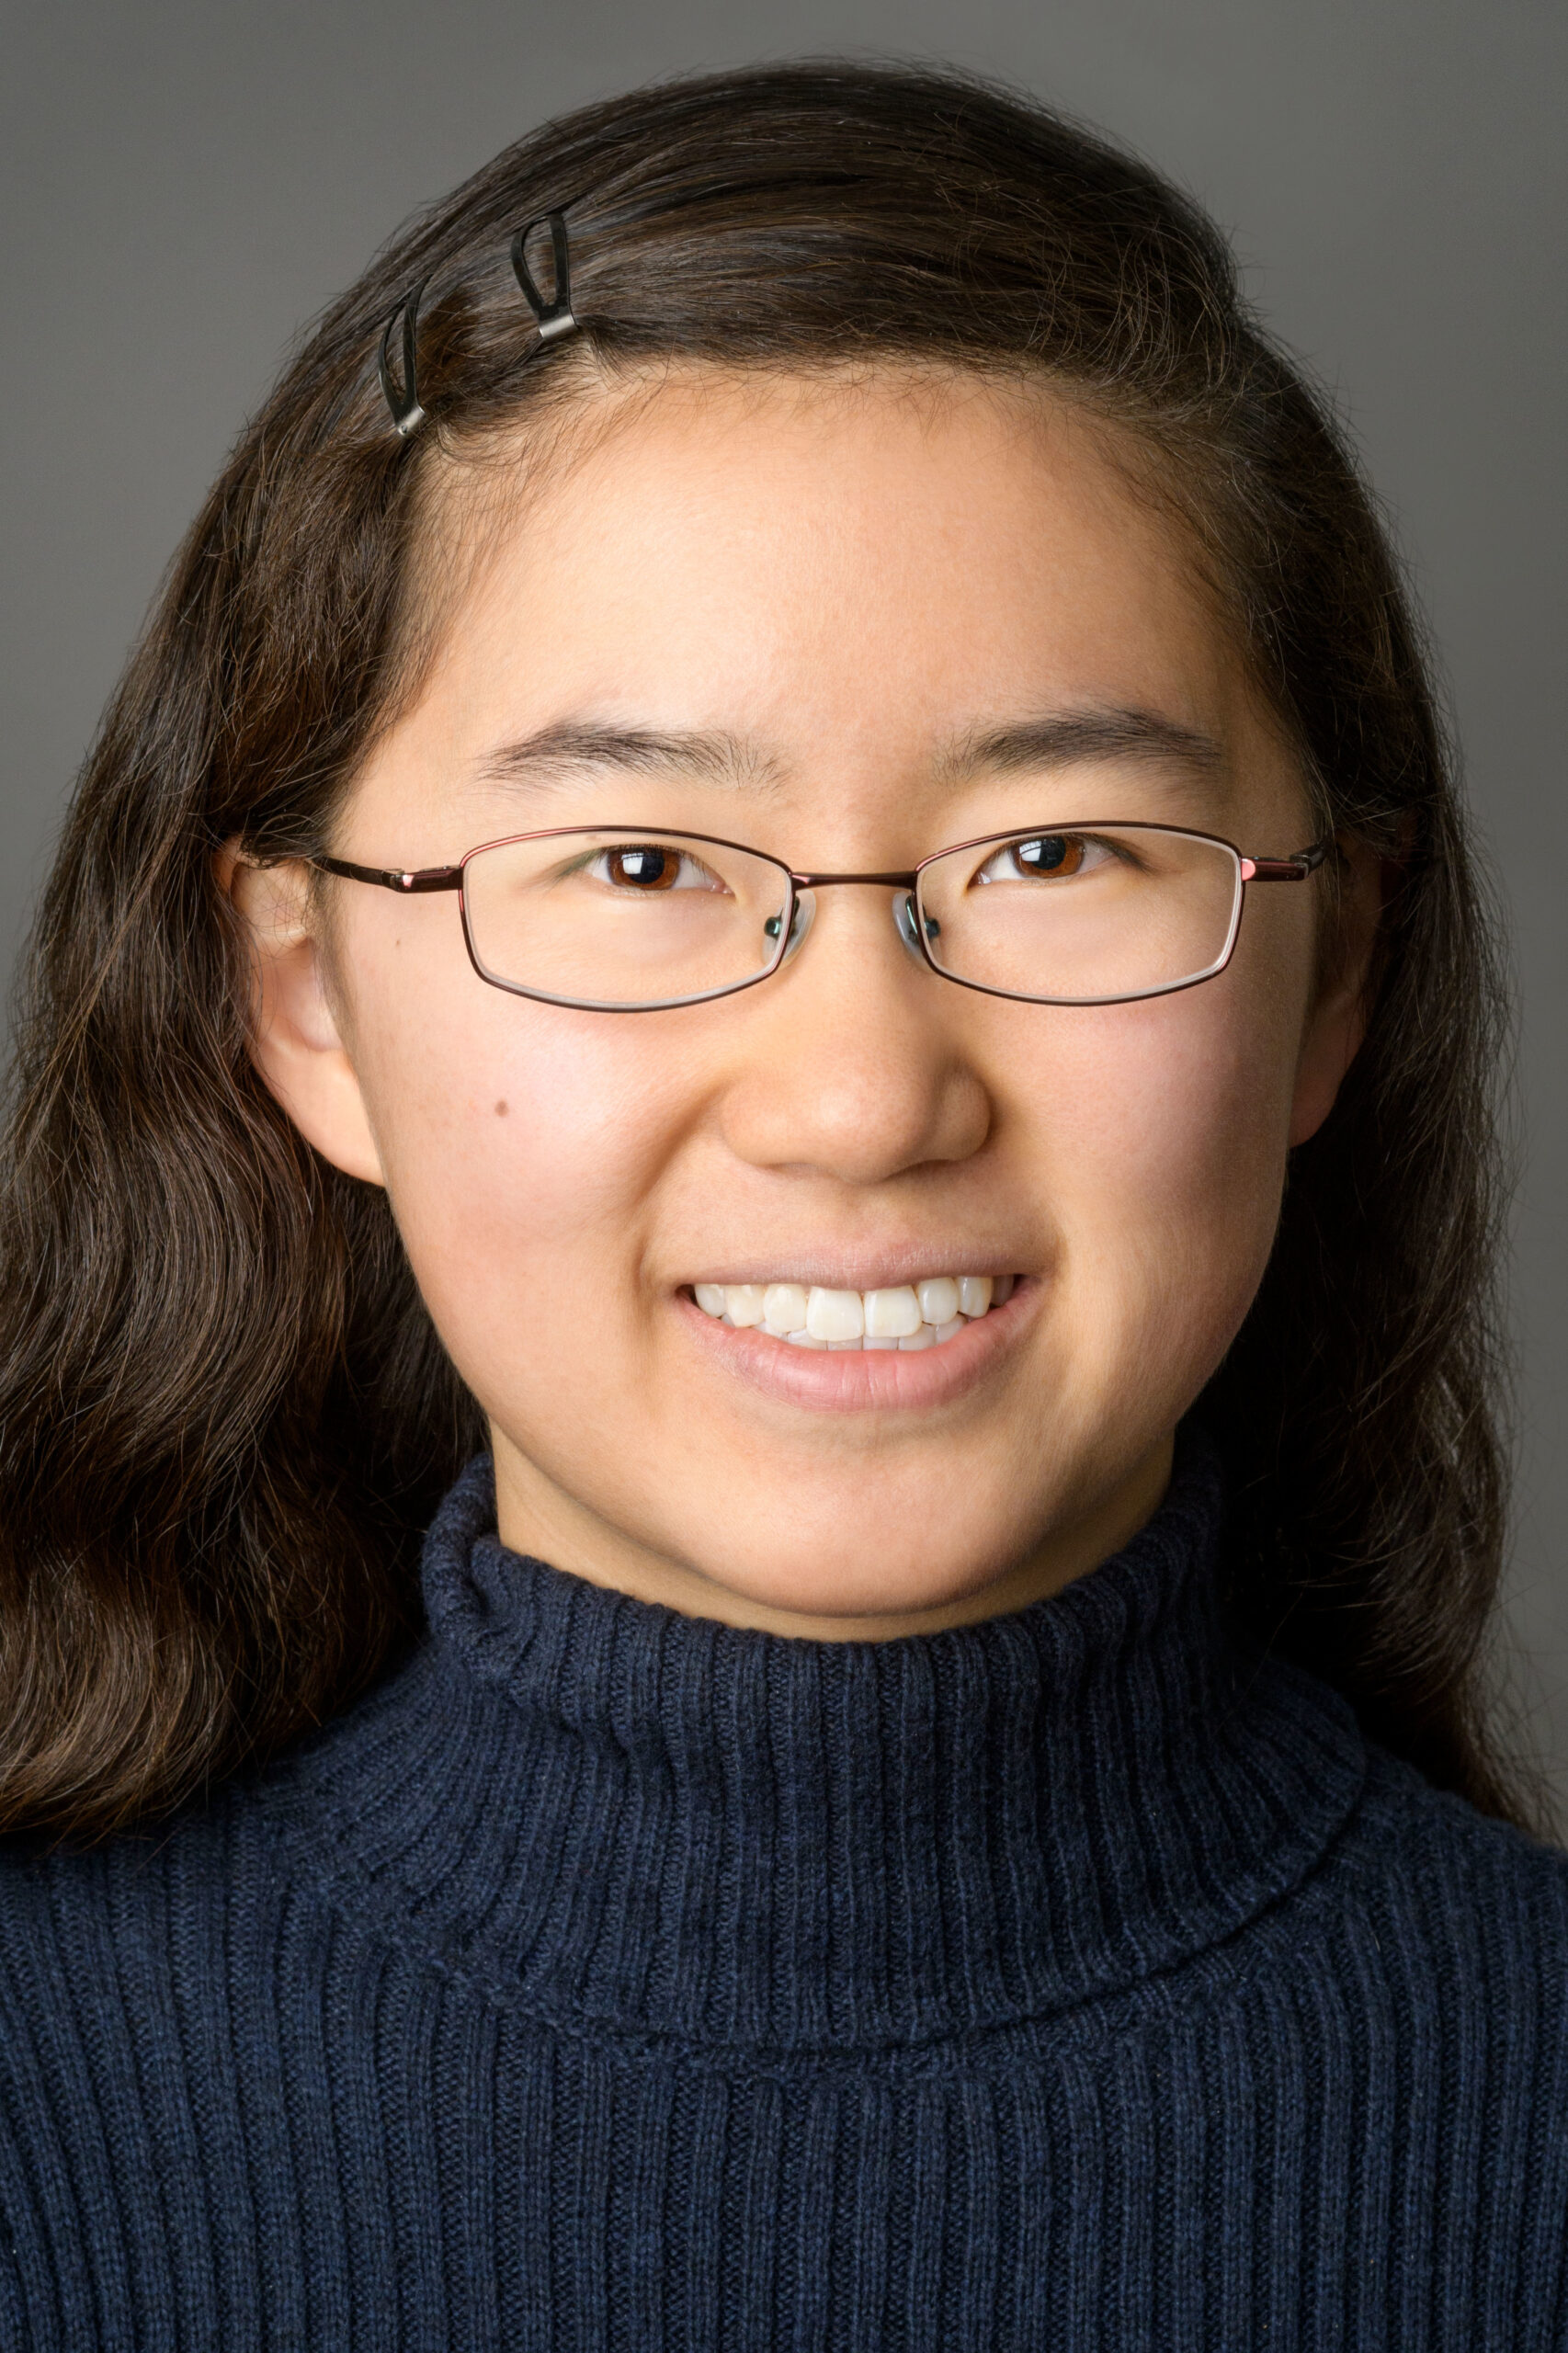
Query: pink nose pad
905	916
805	915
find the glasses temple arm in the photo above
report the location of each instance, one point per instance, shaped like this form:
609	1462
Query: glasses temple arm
392	878
1287	869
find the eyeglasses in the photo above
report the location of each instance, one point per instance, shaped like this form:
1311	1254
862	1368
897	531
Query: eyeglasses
636	918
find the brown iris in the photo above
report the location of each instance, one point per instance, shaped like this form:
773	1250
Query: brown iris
1050	853
643	865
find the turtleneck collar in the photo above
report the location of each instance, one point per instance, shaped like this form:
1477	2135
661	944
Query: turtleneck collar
616	1816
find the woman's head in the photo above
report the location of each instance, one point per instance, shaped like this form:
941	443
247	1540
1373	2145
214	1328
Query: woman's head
846	621
914	477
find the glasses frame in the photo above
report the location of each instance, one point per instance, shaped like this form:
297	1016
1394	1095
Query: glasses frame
416	881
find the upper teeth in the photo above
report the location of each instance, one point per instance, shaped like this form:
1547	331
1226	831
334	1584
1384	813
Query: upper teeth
909	1315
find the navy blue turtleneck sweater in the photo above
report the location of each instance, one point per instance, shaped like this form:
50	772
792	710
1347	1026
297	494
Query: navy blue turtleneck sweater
615	1979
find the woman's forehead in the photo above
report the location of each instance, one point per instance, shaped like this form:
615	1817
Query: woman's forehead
864	571
954	504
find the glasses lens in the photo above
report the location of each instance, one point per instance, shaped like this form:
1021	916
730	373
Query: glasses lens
618	918
1082	915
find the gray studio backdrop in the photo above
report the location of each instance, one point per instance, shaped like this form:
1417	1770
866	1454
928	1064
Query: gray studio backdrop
185	184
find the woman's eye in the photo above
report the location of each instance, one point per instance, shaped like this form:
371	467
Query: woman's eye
652	866
1042	858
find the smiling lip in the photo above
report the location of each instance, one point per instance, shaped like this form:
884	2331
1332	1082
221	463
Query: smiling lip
883	1380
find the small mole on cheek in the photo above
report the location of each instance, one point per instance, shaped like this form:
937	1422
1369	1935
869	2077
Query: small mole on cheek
500	1110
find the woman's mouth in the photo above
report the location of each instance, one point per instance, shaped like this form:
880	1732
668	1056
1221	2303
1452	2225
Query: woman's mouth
898	1348
905	1317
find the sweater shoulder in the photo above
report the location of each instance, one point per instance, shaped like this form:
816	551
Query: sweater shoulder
83	1922
1458	1875
1400	1806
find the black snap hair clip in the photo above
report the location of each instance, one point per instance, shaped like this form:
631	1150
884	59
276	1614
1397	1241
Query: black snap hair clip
556	317
403	400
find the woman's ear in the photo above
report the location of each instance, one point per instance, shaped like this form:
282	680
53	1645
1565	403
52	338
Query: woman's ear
1337	1022
295	1042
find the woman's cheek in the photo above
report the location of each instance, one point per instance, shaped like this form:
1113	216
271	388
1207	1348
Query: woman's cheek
1167	1180
519	1156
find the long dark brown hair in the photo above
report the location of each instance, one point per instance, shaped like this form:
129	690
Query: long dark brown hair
224	1415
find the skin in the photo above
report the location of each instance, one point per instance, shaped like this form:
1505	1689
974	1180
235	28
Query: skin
851	581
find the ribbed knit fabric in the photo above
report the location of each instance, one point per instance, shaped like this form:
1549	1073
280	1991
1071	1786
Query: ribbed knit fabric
615	1979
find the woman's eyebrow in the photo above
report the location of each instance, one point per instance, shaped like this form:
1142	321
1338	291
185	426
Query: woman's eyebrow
714	754
1052	740
1061	739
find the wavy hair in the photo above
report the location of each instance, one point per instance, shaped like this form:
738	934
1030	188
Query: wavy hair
224	1414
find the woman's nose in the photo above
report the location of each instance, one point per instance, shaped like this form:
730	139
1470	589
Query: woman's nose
851	1063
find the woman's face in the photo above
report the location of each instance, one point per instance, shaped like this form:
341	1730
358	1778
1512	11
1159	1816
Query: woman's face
828	621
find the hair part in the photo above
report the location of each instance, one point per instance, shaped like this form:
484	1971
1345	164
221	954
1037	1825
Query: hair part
225	1416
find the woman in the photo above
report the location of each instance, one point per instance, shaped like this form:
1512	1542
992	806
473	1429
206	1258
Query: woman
787	740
